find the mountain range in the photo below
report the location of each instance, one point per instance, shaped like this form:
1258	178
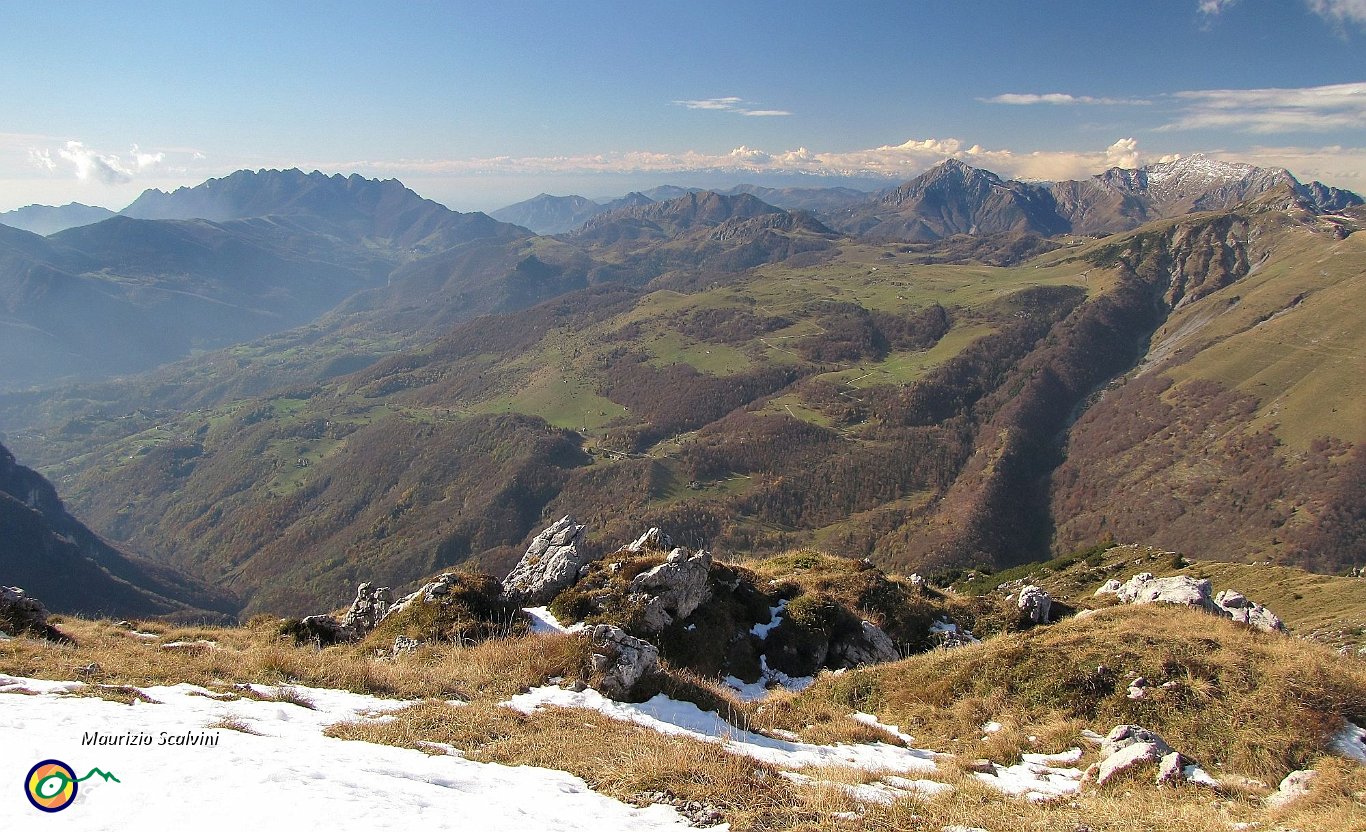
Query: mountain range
956	198
546	214
748	377
48	219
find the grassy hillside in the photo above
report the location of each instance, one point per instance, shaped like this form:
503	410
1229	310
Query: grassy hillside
1328	609
1239	436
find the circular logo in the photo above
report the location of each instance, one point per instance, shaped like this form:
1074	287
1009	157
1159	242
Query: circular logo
50	786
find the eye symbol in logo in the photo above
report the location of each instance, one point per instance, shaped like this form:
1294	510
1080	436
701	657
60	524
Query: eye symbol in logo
50	785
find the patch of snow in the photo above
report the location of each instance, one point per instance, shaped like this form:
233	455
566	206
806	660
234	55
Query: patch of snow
543	621
1035	778
748	691
775	617
1198	776
1350	742
149	636
869	719
927	788
674	718
945	626
1071	755
768	680
879	793
289	771
18	684
992	727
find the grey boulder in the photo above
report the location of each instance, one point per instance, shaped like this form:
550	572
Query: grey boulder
1181	590
1035	604
1295	785
551	563
371	605
674	589
22	614
1235	605
620	660
870	645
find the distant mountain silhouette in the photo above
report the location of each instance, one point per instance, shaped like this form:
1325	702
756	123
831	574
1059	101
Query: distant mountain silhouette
47	219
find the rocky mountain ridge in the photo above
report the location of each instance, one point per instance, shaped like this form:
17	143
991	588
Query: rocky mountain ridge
954	197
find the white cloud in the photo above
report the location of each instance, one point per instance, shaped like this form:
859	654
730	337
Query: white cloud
1344	167
143	161
1214	7
729	104
1122	154
1058	98
41	158
1272	110
890	162
1340	11
89	164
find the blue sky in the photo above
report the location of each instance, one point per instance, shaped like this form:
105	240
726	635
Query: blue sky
479	105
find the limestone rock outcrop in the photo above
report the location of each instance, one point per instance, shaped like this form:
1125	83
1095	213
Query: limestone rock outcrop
1295	785
371	605
1182	590
1035	604
1128	747
653	538
620	660
674	589
551	563
1236	605
870	645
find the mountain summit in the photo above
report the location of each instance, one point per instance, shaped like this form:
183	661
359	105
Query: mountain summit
955	198
351	207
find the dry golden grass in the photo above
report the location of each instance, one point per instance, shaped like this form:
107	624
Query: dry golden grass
1238	700
257	654
232	724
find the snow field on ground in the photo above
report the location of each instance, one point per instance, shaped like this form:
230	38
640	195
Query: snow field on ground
290	776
